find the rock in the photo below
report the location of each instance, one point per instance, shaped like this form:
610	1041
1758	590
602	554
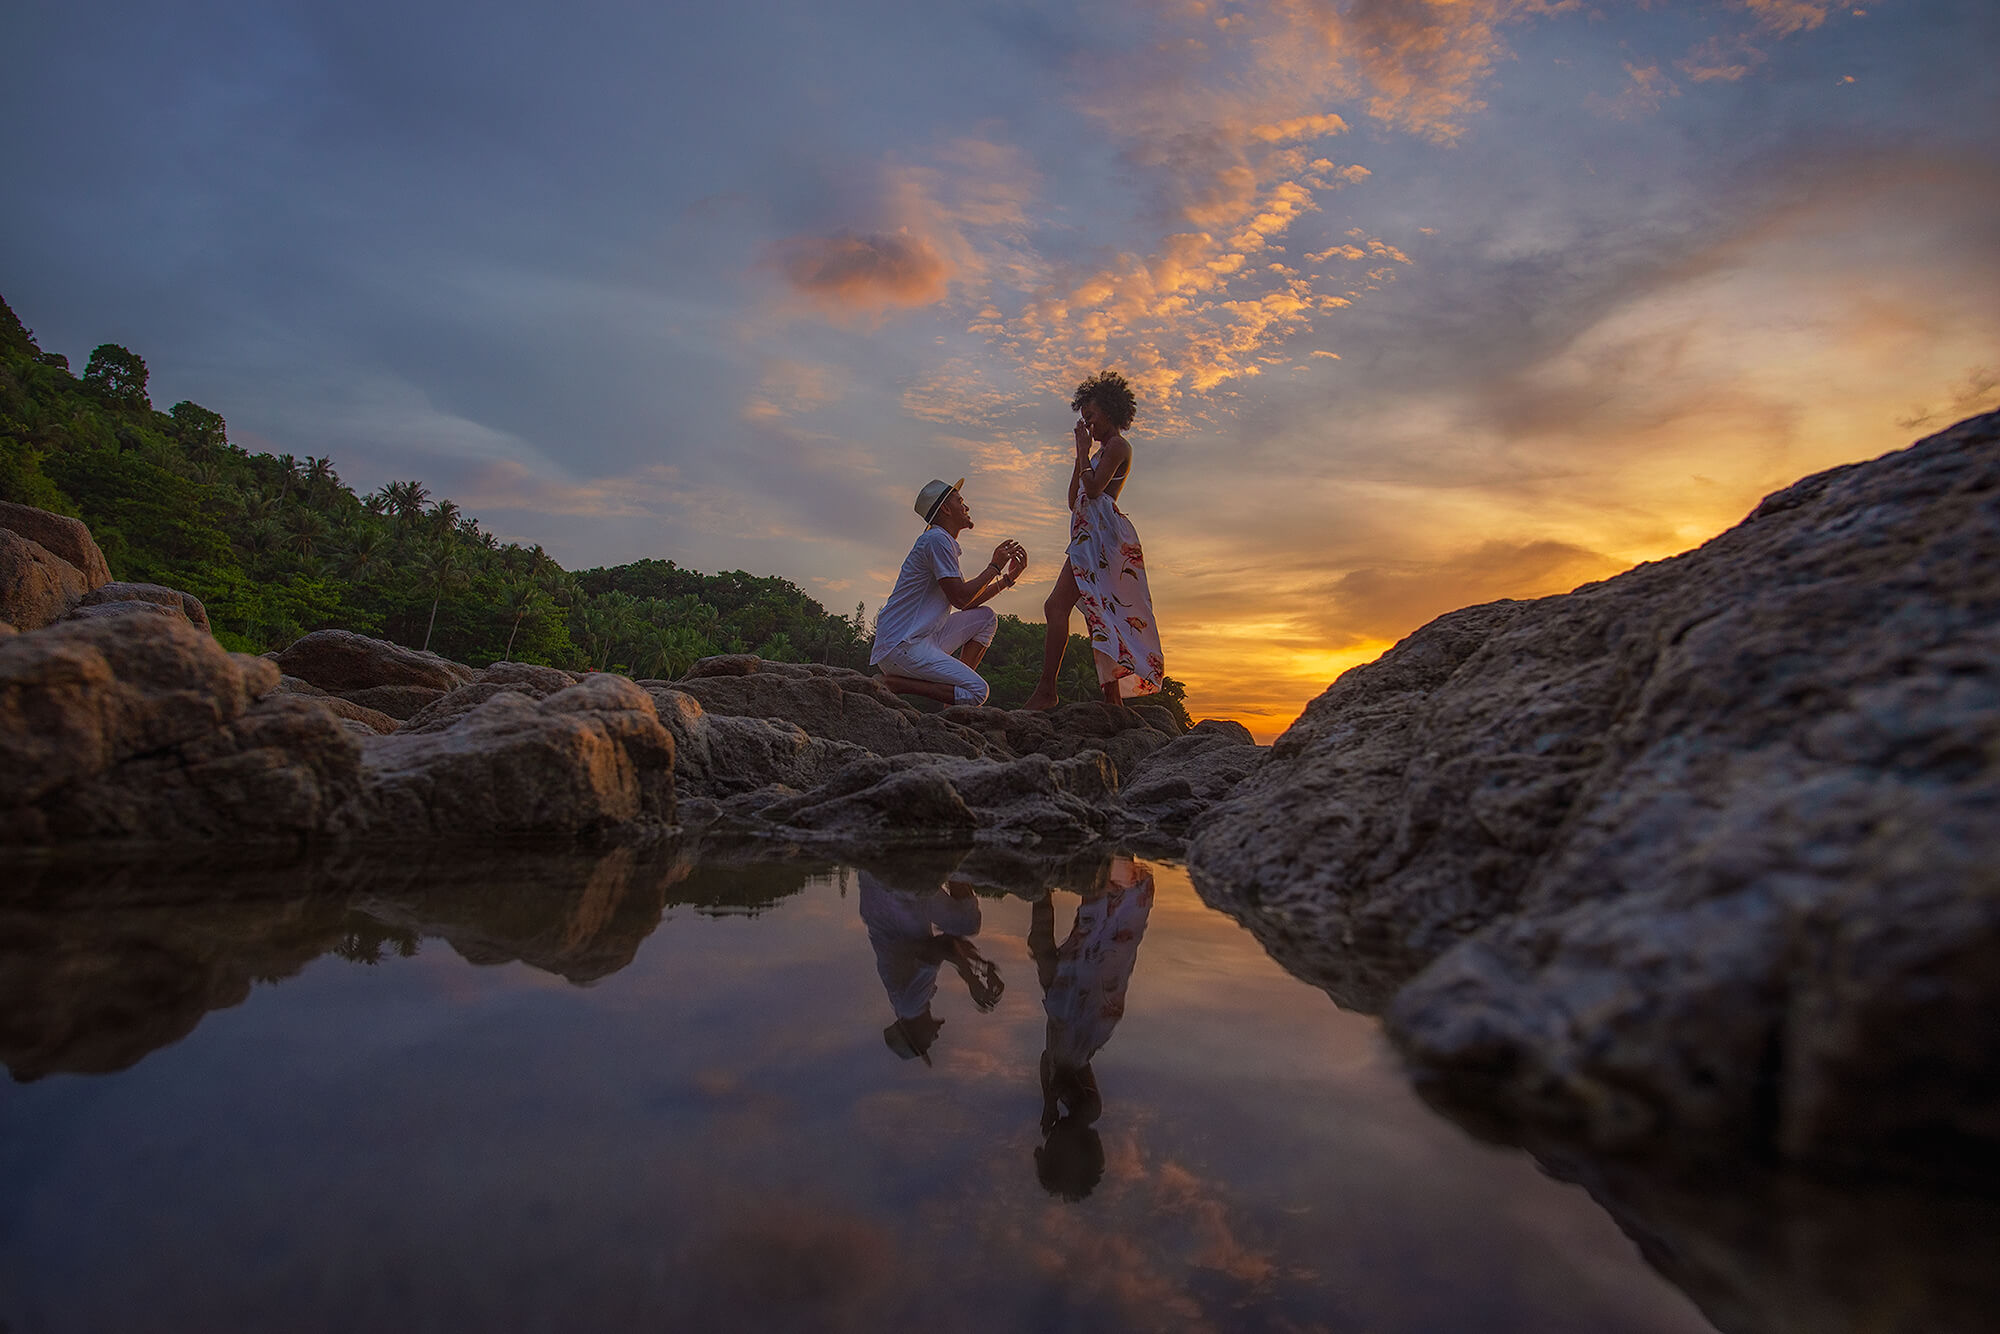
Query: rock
139	727
543	680
943	799
78	698
1705	853
279	772
1126	735
400	702
831	702
343	663
185	604
720	755
66	538
37	587
1174	785
446	710
8	628
373	720
586	759
292	685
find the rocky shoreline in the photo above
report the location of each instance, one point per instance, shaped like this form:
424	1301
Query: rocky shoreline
1704	858
124	725
1701	860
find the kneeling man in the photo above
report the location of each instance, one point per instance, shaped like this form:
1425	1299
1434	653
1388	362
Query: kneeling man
924	646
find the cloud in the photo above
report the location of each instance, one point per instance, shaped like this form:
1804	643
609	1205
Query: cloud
863	273
1720	58
1645	90
1786	17
1387	602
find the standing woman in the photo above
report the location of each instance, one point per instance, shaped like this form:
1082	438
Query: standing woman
1105	574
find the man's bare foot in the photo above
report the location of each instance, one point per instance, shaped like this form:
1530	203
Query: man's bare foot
1041	701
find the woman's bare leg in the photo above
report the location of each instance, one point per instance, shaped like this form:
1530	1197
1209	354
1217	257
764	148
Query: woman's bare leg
1062	600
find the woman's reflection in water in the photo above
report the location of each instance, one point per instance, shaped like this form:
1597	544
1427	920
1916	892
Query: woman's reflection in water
1083	991
913	933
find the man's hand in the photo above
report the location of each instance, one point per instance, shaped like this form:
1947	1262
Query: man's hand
1016	564
1005	553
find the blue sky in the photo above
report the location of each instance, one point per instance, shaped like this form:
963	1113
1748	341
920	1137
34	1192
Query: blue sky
1430	303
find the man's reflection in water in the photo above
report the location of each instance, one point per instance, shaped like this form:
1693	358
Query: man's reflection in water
1083	991
913	933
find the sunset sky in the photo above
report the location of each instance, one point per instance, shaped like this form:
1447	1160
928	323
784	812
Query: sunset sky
1429	301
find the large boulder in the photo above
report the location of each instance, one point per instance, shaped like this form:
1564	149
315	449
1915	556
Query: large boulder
590	758
1706	852
78	698
186	605
37	587
283	771
66	538
340	662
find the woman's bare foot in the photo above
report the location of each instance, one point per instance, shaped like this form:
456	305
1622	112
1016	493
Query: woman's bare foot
1041	701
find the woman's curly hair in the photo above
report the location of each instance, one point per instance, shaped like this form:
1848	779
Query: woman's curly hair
1109	391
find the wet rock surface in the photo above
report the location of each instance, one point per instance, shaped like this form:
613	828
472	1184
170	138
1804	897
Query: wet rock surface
1707	853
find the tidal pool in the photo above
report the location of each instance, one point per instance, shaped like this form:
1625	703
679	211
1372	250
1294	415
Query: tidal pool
687	1091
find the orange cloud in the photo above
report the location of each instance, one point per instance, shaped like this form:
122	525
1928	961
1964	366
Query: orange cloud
864	273
1785	17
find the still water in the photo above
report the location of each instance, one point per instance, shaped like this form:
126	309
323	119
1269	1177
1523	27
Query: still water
698	1092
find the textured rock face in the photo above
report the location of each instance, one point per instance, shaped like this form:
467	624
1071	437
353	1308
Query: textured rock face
67	539
590	757
339	661
722	755
37	587
830	702
76	699
882	799
186	605
1706	852
1173	785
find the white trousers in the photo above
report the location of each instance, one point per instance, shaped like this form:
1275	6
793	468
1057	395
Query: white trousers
928	657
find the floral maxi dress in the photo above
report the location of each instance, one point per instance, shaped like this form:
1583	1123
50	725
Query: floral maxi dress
1110	573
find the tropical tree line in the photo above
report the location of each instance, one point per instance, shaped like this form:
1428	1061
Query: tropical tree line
277	546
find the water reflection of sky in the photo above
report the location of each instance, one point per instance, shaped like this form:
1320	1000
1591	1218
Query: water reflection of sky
717	1134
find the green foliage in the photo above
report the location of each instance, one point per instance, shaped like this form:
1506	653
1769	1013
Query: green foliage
119	374
276	547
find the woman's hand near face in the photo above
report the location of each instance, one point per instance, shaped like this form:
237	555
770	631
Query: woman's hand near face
1082	433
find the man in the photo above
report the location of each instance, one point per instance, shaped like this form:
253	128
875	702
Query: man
914	932
934	629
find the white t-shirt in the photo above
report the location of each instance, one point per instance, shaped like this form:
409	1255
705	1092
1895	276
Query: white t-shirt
917	606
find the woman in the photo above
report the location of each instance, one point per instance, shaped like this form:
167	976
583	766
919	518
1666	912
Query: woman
1105	574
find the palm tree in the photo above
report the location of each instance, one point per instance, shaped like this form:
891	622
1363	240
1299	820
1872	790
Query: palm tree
377	502
367	551
443	517
308	531
319	475
557	584
407	499
260	537
288	473
523	601
439	569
